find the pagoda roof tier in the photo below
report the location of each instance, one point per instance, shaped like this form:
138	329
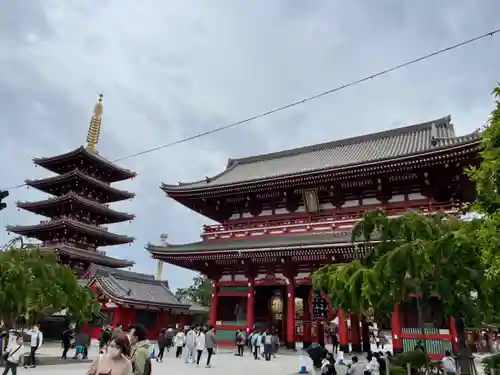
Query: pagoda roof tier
42	231
135	289
63	163
253	244
371	151
48	208
48	185
88	255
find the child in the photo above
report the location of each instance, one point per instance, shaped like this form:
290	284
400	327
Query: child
14	355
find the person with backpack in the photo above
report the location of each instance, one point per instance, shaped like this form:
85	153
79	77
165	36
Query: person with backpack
268	345
14	356
240	342
140	358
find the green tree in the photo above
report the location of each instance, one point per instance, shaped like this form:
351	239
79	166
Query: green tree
37	286
200	291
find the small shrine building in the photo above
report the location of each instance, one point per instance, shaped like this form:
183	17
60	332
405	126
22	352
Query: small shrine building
283	215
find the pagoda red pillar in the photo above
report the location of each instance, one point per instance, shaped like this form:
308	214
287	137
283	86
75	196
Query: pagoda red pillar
397	341
343	332
251	306
213	306
355	334
290	313
306	319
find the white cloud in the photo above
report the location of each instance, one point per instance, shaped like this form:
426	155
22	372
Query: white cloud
170	69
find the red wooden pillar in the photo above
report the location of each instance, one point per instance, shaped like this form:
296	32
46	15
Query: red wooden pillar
117	316
453	333
397	340
290	314
355	334
182	321
306	319
213	306
251	306
343	333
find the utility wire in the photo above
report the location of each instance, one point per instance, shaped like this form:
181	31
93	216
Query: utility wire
305	100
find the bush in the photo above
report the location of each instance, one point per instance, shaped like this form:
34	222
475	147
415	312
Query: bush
416	358
491	363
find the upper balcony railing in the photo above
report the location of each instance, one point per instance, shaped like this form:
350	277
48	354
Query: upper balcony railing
344	218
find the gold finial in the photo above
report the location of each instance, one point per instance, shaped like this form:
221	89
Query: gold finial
95	126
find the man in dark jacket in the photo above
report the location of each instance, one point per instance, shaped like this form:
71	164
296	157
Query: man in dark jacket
67	336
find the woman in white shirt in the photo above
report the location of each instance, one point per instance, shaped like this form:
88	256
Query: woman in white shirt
14	356
373	367
200	345
180	341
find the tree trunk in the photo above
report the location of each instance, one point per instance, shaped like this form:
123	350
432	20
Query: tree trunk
464	360
422	329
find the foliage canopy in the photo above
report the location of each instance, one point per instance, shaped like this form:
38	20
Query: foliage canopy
35	286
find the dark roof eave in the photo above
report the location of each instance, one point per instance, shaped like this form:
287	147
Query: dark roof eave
172	190
47	202
76	172
93	257
75	225
97	158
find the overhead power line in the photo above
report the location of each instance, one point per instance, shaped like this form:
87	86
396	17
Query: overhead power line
304	100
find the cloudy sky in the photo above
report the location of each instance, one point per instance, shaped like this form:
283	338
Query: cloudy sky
171	69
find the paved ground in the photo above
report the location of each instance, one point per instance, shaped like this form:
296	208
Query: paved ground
225	362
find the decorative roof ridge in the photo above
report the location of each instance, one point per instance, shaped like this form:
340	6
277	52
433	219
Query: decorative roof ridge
74	223
475	134
73	195
83	175
97	156
442	122
96	269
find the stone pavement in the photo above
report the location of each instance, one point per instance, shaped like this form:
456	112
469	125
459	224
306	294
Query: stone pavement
223	363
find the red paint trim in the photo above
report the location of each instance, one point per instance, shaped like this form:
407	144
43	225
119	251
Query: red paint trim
231	283
225	342
269	282
435	356
427	336
232	294
230	327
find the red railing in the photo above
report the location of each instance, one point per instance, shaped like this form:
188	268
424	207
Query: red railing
344	216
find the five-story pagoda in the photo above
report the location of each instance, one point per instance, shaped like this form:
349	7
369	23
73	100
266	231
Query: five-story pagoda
78	205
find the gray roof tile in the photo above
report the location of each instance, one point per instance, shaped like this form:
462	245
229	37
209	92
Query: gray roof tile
136	288
289	241
387	145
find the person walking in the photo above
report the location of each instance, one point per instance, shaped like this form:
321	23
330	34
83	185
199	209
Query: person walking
275	342
35	343
200	345
67	336
141	362
14	356
335	343
115	361
104	338
118	329
162	342
267	345
240	342
180	341
211	344
170	334
190	345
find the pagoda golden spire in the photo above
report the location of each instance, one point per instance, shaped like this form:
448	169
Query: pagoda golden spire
95	126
